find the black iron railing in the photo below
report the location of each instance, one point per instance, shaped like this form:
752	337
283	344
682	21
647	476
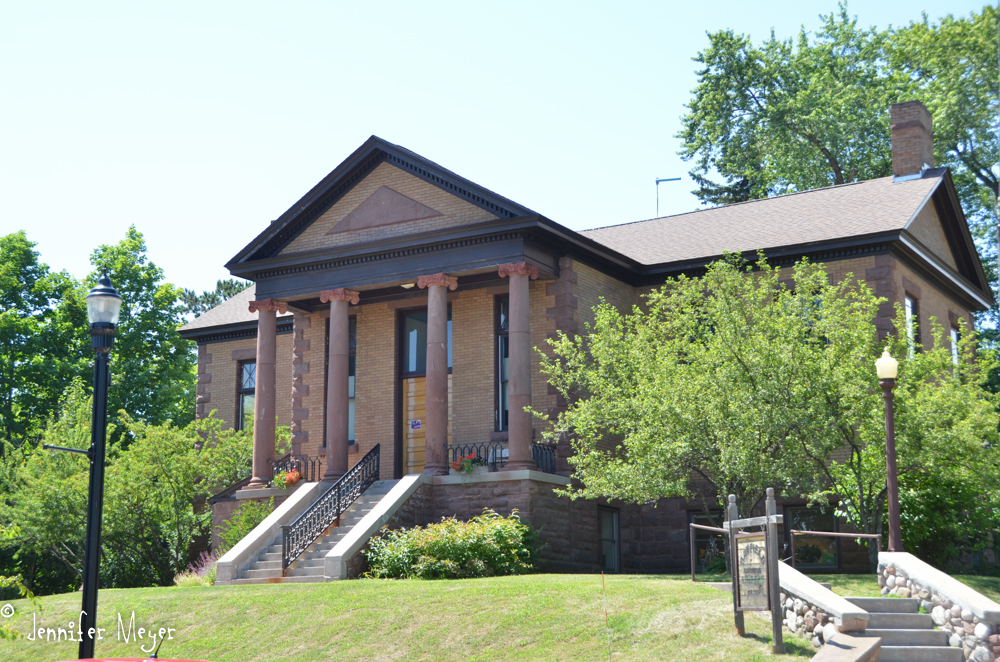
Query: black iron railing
494	454
310	468
297	536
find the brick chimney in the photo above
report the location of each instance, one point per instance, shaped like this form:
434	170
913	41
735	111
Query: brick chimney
912	138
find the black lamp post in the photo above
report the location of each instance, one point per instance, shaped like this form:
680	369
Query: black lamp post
103	306
886	368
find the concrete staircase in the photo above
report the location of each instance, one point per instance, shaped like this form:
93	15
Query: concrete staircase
907	635
309	567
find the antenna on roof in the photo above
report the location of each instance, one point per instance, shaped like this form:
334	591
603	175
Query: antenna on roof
677	179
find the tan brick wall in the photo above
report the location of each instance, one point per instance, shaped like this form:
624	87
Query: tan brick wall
220	387
592	285
931	303
375	384
926	227
454	210
473	369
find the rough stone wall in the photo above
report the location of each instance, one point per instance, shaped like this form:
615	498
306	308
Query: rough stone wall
454	210
543	327
307	385
564	315
217	377
806	620
300	390
978	640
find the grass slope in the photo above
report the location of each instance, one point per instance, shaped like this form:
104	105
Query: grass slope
536	617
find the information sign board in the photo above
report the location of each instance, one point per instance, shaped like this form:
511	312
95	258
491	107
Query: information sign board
751	572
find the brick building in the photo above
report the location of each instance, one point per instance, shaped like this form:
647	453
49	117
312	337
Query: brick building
398	304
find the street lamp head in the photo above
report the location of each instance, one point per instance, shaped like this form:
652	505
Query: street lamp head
886	366
103	306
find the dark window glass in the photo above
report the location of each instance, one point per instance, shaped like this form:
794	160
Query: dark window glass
710	547
814	551
245	389
503	357
608	525
352	345
415	342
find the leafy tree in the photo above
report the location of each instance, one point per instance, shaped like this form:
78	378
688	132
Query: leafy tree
790	116
711	388
196	304
39	350
153	368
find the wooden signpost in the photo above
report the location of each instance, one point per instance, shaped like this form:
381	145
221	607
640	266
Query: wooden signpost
754	566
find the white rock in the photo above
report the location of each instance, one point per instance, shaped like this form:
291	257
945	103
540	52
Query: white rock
926	606
956	612
890	581
938	616
799	606
901	574
817	642
955	641
789	603
967	615
818	630
982	631
829	632
980	655
885	590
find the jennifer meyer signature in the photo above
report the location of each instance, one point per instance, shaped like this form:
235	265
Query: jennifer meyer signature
74	632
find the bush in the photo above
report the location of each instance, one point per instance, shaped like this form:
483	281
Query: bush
485	546
199	573
243	521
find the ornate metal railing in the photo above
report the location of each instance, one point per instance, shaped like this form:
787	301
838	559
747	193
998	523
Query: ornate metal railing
311	524
494	454
310	468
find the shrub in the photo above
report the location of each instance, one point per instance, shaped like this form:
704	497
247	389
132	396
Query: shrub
199	573
243	521
485	546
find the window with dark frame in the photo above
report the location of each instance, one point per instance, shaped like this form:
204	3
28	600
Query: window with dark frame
954	345
710	547
352	347
414	343
911	308
246	386
607	520
818	551
502	327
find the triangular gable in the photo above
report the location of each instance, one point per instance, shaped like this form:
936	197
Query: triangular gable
343	179
926	227
384	207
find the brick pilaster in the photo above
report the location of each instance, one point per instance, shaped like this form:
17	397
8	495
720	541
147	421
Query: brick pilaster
300	367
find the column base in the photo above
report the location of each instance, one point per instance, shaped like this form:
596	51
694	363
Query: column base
256	484
332	478
435	470
520	464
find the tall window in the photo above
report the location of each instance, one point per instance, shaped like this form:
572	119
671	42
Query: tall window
352	347
415	343
814	551
608	524
246	385
710	547
954	345
503	356
911	309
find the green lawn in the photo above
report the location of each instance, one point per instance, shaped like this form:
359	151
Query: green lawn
537	617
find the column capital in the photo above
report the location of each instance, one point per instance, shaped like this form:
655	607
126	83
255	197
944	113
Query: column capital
339	294
522	268
268	304
437	279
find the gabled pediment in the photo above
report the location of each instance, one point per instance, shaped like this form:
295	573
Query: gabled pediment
381	189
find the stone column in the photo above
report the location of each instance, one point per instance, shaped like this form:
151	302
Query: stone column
264	391
436	432
519	366
337	393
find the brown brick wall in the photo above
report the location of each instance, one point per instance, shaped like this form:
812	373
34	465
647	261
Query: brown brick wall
912	138
926	227
454	210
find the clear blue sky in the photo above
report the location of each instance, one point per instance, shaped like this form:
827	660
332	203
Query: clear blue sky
200	122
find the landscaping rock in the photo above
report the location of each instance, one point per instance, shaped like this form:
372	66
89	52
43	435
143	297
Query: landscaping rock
982	631
885	590
956	612
995	639
783	598
967	615
818	630
980	655
881	581
799	606
954	641
829	632
924	594
938	616
903	592
969	627
900	574
789	603
817	642
890	570
890	581
957	622
926	606
809	622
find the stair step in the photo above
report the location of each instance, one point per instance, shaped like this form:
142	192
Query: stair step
897	621
309	563
266	565
901	637
270	556
305	572
920	654
260	574
887	605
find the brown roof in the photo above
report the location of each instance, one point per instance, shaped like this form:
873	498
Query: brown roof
232	311
825	214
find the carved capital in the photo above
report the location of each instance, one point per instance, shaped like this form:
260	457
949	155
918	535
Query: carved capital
339	294
269	304
522	268
437	279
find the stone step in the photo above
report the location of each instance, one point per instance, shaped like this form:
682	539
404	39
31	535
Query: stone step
901	637
266	565
260	574
316	562
305	572
920	654
897	621
269	556
887	605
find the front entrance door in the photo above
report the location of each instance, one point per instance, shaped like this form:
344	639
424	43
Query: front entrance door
413	381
